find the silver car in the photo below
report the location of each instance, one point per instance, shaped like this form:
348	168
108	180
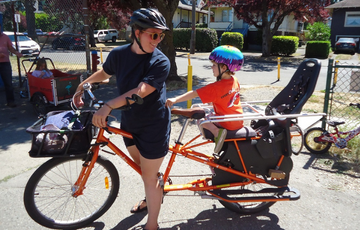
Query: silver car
26	45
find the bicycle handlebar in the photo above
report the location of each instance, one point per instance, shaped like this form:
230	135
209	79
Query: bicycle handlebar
355	104
98	104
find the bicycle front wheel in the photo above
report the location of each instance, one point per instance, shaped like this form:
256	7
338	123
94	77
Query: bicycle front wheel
314	146
48	195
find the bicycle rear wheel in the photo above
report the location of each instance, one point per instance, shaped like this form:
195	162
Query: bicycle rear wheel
314	146
250	207
48	195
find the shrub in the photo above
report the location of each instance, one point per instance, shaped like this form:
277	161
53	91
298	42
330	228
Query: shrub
232	38
317	49
205	40
201	25
318	32
284	45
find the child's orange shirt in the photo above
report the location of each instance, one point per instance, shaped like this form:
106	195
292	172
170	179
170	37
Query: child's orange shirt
225	96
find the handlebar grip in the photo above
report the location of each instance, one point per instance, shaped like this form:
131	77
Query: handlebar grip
87	87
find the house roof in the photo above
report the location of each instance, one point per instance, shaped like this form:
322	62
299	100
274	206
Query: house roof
188	7
345	4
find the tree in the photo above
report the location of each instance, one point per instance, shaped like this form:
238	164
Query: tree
268	15
30	18
118	13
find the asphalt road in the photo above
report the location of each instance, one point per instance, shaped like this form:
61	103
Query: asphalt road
327	201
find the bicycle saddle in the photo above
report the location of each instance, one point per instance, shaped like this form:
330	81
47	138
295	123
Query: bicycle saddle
195	113
335	123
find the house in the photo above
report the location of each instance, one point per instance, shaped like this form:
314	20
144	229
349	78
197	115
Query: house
222	18
345	20
183	14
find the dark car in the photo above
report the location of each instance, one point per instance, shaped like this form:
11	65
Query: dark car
347	45
69	42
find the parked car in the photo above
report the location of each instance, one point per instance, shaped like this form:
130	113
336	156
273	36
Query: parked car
26	45
106	35
37	31
69	42
345	45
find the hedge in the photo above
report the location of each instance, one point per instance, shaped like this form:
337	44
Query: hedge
232	38
205	41
317	49
284	45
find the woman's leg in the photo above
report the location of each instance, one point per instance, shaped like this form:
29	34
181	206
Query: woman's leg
135	154
153	191
6	75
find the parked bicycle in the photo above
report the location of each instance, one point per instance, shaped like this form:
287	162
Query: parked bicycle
319	140
248	175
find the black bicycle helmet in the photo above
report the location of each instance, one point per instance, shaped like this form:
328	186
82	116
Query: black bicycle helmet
148	18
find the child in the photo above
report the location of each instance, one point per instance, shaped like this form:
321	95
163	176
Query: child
41	70
224	93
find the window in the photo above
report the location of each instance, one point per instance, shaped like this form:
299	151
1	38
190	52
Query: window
352	19
225	16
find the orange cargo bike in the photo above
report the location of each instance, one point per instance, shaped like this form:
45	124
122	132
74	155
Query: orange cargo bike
251	172
50	92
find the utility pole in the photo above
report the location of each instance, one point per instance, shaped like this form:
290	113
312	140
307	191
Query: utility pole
87	37
193	31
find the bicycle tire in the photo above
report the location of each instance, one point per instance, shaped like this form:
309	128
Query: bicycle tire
316	147
48	193
250	207
297	139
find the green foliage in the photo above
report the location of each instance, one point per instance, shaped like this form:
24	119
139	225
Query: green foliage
317	49
101	23
206	39
284	45
201	25
318	32
47	23
232	38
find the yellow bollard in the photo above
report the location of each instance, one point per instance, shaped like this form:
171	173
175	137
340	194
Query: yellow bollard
101	57
278	69
189	81
336	73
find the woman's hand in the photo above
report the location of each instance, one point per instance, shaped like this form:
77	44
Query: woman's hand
170	102
99	118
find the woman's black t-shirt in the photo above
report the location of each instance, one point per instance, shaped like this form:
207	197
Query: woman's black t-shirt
149	123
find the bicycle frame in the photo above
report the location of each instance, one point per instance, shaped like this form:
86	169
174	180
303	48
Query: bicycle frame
334	136
186	151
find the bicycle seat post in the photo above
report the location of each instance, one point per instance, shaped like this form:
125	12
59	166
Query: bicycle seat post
183	130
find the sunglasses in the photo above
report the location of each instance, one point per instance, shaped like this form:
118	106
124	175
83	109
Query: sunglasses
155	36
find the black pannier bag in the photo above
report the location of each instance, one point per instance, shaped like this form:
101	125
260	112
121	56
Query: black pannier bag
61	134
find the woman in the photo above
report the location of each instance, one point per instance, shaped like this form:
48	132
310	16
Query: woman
140	68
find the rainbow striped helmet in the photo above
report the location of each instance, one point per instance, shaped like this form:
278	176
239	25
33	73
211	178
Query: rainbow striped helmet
228	55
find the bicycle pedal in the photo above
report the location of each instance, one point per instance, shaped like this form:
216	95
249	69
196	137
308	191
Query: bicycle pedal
277	174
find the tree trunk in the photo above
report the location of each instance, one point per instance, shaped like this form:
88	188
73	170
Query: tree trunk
266	41
167	45
30	19
168	49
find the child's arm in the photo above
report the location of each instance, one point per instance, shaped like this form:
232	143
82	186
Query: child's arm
184	97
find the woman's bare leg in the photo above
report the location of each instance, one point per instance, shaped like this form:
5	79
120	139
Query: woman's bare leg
154	193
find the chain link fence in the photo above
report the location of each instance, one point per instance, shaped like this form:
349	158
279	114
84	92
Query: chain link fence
345	90
66	47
